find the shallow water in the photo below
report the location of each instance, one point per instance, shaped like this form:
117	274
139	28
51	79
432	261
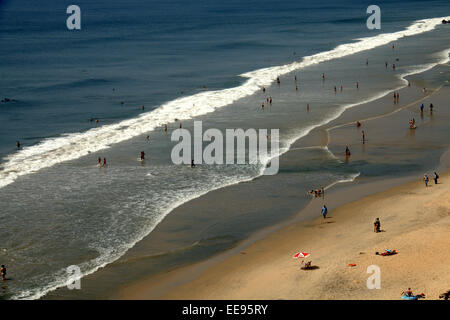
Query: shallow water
72	212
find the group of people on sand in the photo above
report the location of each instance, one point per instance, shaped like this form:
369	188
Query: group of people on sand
422	107
412	122
317	192
426	179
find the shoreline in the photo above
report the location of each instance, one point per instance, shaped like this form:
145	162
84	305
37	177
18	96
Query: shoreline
172	283
422	252
137	256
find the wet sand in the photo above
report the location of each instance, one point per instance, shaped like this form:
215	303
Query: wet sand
415	221
392	156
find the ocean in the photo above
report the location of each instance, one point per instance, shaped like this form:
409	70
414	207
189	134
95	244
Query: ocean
182	61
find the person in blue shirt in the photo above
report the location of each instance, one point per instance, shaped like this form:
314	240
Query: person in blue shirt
324	211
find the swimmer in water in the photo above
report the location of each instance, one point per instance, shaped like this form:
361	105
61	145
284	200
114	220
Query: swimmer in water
393	67
264	89
165	128
270	100
142	155
99	161
357	85
341	87
148	138
386	64
3	272
307	107
142	107
104	162
367	62
192	163
295	78
347	151
334	89
323	76
180	125
18	144
278	80
296	88
358	124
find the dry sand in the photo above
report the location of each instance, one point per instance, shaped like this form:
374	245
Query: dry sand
415	221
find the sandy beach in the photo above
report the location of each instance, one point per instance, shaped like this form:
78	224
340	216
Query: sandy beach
415	221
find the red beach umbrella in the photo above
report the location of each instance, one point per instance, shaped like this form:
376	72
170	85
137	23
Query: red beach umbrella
301	255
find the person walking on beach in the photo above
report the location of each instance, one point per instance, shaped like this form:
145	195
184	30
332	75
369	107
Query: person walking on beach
431	107
3	272
307	107
421	108
377	225
425	178
324	211
363	137
436	177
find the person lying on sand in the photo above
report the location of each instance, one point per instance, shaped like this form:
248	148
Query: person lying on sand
409	294
387	252
445	295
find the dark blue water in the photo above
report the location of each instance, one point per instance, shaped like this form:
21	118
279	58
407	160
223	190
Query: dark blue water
150	51
147	53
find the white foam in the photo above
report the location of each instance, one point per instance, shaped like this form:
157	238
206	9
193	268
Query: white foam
75	145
